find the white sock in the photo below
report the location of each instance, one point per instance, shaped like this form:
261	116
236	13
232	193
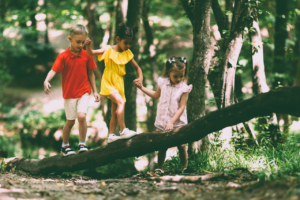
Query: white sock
65	144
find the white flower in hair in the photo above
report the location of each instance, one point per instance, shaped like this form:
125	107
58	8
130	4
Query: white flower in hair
183	59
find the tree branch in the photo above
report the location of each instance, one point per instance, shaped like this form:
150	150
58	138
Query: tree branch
220	17
283	100
188	9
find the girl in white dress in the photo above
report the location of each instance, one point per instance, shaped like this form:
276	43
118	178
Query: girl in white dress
171	112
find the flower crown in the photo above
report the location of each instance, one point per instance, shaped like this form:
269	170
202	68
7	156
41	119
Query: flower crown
182	59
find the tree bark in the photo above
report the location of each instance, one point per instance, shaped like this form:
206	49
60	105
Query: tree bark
133	19
297	50
257	60
222	77
199	15
280	37
279	41
283	100
150	52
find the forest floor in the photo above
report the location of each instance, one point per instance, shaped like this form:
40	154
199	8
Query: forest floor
238	184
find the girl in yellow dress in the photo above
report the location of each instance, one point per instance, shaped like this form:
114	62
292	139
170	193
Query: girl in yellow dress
112	85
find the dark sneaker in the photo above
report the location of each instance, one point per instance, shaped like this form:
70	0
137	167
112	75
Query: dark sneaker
82	148
66	151
159	172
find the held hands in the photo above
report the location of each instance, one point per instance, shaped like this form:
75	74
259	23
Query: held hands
47	87
97	97
169	126
88	42
138	83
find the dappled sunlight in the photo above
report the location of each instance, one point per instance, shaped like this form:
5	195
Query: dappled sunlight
53	105
264	32
295	126
42	153
141	164
58	134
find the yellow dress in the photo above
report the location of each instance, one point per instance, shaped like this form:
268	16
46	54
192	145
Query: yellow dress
112	79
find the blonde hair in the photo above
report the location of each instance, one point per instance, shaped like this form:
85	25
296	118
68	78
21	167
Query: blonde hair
78	29
175	63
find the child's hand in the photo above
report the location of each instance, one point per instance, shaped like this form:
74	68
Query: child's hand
88	42
138	83
169	126
47	87
140	86
97	97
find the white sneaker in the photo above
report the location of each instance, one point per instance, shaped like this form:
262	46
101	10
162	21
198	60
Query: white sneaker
112	138
126	133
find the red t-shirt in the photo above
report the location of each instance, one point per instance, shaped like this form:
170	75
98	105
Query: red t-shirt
74	76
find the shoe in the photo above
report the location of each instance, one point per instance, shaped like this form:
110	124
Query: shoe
112	137
82	148
159	172
66	151
126	133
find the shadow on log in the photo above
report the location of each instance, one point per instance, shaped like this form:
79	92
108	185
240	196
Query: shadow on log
284	100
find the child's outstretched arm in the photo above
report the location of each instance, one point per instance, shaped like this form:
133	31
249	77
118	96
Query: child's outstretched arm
150	93
90	51
91	77
49	77
139	81
182	104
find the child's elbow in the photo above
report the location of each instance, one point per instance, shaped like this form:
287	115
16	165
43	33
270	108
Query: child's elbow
156	96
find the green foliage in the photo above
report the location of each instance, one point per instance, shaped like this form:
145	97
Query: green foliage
264	160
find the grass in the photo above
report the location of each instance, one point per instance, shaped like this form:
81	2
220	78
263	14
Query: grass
268	160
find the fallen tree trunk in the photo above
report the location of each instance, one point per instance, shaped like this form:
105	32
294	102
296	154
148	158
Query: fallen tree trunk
283	100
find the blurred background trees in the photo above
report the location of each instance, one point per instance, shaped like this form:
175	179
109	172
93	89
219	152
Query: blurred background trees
242	47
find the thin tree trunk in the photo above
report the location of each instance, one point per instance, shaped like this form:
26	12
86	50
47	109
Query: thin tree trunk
222	76
279	52
279	41
150	51
134	13
199	15
297	50
257	59
283	100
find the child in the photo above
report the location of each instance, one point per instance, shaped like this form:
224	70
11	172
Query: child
171	111
112	85
77	77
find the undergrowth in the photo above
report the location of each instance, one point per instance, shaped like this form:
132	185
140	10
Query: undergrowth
273	162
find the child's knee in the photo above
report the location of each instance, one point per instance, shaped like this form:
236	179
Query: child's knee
81	117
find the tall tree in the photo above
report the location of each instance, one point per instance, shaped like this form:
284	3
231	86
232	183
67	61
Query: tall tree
297	48
257	59
134	13
280	37
199	14
150	52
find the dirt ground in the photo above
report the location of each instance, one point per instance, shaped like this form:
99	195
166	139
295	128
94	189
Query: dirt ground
210	186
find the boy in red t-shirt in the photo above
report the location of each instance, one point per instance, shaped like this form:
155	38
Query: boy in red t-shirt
76	68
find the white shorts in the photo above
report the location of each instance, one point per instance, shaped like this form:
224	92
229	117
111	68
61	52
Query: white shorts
74	106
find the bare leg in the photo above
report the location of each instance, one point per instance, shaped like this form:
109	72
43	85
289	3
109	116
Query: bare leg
183	155
113	120
116	97
161	156
67	130
82	126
